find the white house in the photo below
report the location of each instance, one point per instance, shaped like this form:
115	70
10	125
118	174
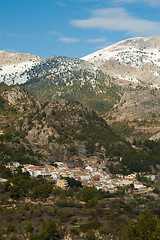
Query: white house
92	168
84	177
139	186
55	175
16	164
151	177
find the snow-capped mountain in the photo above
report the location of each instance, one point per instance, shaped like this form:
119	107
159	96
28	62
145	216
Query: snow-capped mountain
58	77
93	80
61	71
69	78
135	60
13	65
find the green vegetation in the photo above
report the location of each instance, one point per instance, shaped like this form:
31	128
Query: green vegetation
20	154
49	231
147	227
73	183
142	160
122	128
2	101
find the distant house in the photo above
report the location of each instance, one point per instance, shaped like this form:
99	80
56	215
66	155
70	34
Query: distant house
131	176
16	164
139	186
92	168
84	177
55	175
66	174
62	183
106	176
36	171
13	166
3	180
151	177
96	178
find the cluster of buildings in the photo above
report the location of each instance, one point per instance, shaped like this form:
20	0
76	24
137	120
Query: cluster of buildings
90	175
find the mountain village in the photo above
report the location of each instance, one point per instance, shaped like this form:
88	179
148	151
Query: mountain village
91	175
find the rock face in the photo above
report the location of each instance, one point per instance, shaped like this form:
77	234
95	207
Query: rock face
14	96
134	61
138	104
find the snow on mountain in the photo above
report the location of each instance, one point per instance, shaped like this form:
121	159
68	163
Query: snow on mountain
19	68
11	74
134	51
135	60
62	71
13	66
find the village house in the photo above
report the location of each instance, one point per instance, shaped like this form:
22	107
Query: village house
3	180
1	132
35	171
13	166
150	177
66	173
131	176
139	186
55	175
96	177
92	168
84	177
16	164
61	165
62	183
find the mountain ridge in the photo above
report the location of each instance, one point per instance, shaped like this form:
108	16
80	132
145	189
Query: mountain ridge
107	76
127	60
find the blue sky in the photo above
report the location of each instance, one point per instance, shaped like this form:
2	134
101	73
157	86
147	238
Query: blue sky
74	28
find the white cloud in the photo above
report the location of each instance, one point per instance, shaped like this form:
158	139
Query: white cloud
118	19
153	3
16	35
69	40
61	4
54	33
96	40
62	38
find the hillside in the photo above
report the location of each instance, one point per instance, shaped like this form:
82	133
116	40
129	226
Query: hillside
138	104
59	130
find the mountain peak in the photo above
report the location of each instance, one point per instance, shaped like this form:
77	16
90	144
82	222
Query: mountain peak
135	60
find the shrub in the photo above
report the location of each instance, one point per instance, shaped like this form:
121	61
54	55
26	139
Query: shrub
90	225
90	235
29	227
10	228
